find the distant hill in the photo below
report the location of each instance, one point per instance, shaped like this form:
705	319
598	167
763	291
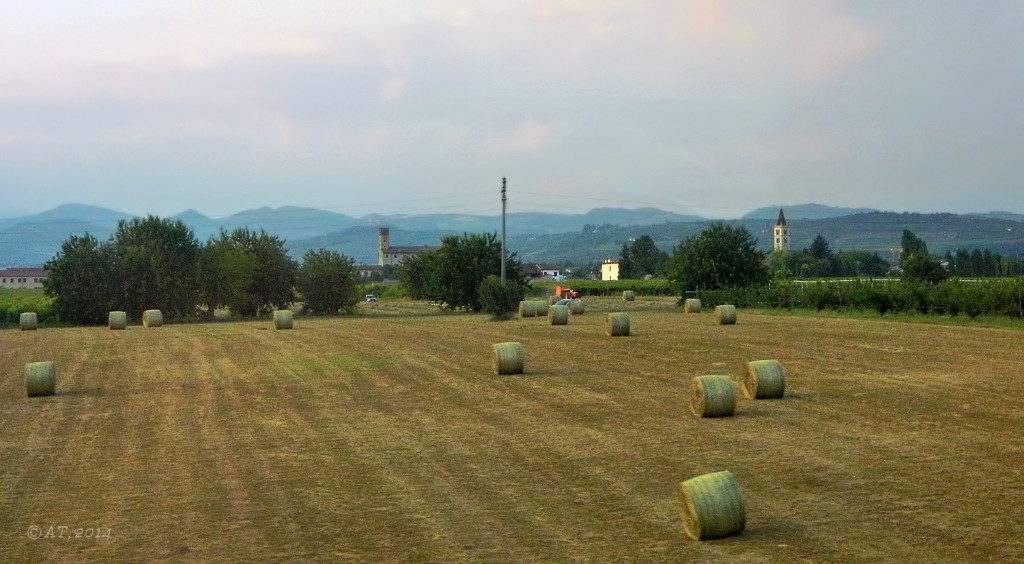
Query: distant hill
536	237
804	211
1002	215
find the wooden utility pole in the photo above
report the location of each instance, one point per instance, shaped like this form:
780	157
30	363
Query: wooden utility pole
502	230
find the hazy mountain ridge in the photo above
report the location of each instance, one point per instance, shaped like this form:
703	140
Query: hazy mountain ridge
536	236
804	211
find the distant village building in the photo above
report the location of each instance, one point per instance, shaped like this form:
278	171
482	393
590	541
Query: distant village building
781	233
610	270
29	278
543	270
386	254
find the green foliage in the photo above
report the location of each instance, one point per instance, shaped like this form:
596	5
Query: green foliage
226	272
917	264
641	258
14	302
248	272
499	300
452	274
718	257
84	281
157	260
1003	297
327	281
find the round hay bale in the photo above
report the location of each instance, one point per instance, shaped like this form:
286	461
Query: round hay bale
527	308
712	396
712	506
558	315
692	305
616	324
283	319
725	314
764	379
576	307
40	379
29	321
628	295
508	358
117	320
152	318
540	308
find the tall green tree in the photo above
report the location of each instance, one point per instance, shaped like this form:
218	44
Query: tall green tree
226	273
157	258
642	258
719	257
453	273
917	264
273	282
327	281
499	300
416	274
84	281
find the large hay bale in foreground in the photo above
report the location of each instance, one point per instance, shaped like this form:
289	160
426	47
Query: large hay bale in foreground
712	506
576	307
117	320
691	305
152	318
725	314
283	319
508	358
527	308
40	379
28	321
764	379
628	295
712	396
540	308
558	314
616	324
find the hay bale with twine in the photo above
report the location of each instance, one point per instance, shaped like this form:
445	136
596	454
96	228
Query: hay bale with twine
725	314
40	379
711	506
628	295
558	315
117	320
527	308
691	305
764	379
508	358
712	396
540	308
576	307
283	319
616	324
28	321
152	318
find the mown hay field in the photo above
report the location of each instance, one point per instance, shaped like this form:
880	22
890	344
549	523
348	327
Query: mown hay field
388	437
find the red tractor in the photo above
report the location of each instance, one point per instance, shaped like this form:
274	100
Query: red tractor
566	293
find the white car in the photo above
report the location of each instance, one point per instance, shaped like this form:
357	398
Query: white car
370	298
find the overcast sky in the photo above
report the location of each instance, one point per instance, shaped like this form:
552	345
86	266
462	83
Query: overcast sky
696	106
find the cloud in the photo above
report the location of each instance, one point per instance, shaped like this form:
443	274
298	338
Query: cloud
527	138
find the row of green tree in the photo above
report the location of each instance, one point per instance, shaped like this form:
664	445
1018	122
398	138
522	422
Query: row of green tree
951	297
157	263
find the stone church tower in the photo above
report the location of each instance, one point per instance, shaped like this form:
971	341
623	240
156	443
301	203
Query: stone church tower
781	233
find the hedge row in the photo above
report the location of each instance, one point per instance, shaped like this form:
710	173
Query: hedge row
971	297
606	287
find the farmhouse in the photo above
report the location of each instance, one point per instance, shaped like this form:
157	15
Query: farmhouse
543	270
386	254
610	270
22	277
